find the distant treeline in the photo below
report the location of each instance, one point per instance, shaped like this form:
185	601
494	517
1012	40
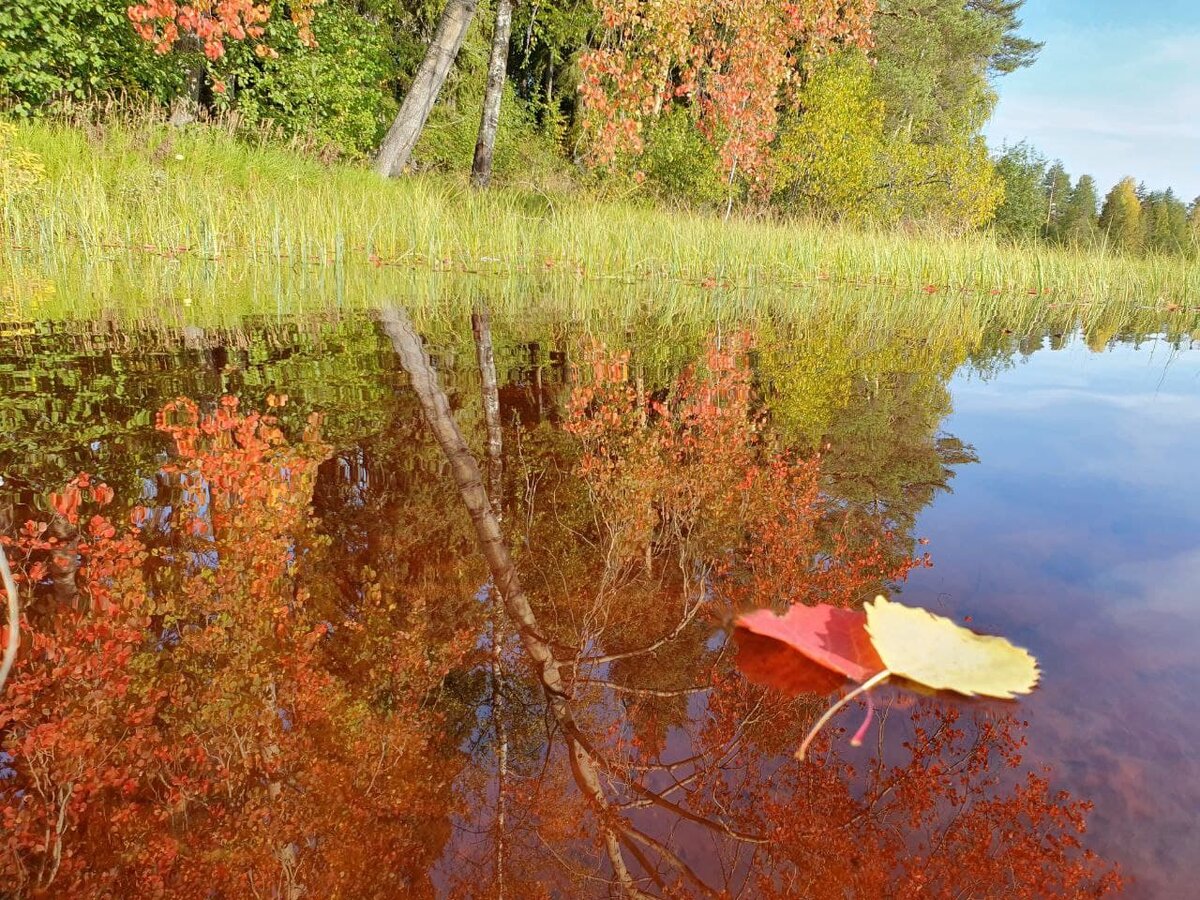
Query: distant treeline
1042	202
846	110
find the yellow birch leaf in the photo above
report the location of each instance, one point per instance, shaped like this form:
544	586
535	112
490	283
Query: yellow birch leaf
933	651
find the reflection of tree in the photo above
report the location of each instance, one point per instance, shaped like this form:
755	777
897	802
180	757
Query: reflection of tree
198	736
932	824
885	457
280	702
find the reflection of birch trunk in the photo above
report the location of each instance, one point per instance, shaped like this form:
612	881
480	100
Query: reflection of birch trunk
486	357
501	741
13	642
492	545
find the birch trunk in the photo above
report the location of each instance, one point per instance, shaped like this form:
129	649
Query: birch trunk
402	137
481	168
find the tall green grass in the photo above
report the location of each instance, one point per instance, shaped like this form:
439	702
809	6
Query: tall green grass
146	190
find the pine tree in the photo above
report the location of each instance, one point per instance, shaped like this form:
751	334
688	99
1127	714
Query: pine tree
1164	223
1056	185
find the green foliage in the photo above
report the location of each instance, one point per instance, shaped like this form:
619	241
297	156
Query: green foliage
1165	227
679	163
1026	205
1121	217
336	94
951	183
1078	225
827	158
55	50
934	57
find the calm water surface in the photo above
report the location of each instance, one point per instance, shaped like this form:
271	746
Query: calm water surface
275	662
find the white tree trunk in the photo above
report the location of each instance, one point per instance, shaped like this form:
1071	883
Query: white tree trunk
481	168
402	137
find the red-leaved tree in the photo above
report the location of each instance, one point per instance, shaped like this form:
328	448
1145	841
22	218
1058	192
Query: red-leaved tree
212	23
736	62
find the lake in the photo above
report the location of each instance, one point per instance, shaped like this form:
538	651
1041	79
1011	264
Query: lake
334	613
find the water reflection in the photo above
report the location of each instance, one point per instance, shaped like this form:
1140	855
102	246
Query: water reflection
366	657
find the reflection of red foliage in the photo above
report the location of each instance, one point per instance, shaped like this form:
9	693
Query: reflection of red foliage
184	732
697	468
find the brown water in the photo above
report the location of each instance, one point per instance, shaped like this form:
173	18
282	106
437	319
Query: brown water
276	663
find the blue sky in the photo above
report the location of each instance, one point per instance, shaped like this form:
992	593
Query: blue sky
1115	92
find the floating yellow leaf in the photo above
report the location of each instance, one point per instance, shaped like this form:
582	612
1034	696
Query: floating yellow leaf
933	651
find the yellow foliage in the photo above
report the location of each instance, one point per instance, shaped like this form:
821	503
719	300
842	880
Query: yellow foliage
933	651
827	158
19	169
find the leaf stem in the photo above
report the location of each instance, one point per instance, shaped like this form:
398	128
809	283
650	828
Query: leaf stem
875	679
857	740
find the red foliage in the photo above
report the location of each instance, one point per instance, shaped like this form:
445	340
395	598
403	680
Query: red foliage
213	22
736	62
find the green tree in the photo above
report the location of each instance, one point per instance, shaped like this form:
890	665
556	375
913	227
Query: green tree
1025	209
1056	185
1121	217
1079	223
1014	51
934	59
827	157
1165	223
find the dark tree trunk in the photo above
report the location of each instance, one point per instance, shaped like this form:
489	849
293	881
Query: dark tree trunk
402	137
481	168
185	109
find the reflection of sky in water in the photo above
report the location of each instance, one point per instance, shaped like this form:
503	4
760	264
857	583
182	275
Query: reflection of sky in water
1079	535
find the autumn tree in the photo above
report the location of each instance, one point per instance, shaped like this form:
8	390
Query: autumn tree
1121	217
734	64
208	26
827	156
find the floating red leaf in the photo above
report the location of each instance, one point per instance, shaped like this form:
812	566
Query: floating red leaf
775	664
832	637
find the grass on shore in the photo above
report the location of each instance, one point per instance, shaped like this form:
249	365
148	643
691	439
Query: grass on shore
148	189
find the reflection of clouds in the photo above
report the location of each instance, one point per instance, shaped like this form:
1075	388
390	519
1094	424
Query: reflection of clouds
1168	408
1077	536
1168	586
